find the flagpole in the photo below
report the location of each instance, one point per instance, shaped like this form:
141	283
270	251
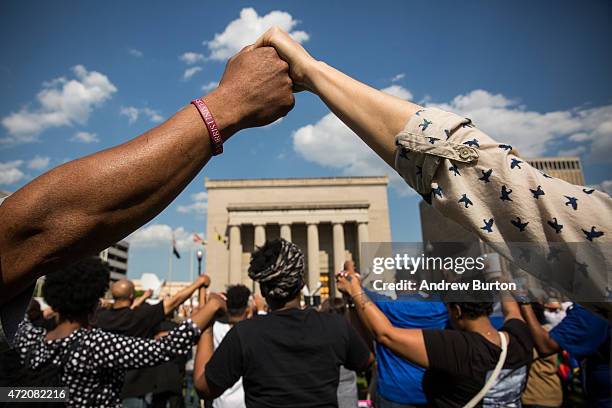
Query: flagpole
170	262
191	263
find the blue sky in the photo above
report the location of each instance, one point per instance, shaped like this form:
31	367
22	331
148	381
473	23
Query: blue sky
77	77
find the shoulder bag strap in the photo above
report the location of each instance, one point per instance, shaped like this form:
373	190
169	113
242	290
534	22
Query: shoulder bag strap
494	375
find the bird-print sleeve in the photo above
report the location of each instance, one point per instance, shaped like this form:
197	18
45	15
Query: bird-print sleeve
488	189
116	351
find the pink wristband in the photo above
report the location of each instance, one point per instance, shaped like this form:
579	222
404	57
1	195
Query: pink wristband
211	125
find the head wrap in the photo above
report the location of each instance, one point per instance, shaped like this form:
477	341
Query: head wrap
278	266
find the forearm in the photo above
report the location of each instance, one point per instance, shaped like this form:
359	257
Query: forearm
180	297
543	343
374	116
204	352
85	205
138	301
205	315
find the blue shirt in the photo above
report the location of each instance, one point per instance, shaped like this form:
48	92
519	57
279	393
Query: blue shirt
586	337
398	380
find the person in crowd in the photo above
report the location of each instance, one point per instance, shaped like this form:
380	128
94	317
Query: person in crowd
586	336
238	309
291	356
83	206
478	182
93	362
398	381
347	388
37	317
462	366
141	321
543	383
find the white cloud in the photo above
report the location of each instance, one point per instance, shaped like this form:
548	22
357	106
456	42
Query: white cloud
190	72
247	28
61	102
210	86
350	154
399	91
85	137
198	206
191	58
135	53
160	236
535	133
133	113
606	186
10	172
39	163
398	77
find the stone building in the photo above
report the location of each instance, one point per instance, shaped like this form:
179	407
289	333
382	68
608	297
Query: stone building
327	217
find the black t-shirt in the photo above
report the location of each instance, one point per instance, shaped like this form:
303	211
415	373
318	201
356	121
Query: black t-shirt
140	322
288	358
460	362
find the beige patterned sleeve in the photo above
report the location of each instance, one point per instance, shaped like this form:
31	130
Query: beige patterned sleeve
486	187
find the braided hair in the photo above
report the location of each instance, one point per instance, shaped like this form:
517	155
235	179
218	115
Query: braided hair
278	266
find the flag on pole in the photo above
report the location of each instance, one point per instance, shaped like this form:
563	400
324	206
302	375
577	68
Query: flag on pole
220	237
174	250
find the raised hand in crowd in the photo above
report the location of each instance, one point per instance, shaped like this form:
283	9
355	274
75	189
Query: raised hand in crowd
141	299
83	206
464	173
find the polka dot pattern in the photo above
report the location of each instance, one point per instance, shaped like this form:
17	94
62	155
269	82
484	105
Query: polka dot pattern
96	361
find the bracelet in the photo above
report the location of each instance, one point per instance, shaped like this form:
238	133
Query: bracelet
359	294
211	125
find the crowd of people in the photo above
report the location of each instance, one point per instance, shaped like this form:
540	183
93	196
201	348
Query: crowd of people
442	354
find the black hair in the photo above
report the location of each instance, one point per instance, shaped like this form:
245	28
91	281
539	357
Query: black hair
474	310
538	311
237	299
75	291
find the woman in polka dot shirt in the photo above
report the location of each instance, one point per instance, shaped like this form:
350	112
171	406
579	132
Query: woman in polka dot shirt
93	362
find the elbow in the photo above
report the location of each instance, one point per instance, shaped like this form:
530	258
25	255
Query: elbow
384	337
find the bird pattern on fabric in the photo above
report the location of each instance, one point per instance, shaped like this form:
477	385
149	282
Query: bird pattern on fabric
454	169
538	191
425	124
486	175
472	143
466	201
505	193
518	224
488	225
555	225
592	234
572	201
94	369
515	163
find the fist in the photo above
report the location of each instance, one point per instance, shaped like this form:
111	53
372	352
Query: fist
255	87
348	282
203	280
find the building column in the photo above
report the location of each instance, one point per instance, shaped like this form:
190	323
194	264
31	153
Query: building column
313	256
285	232
362	237
339	253
258	240
235	253
260	235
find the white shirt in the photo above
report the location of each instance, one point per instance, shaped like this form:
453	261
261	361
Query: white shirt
233	397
